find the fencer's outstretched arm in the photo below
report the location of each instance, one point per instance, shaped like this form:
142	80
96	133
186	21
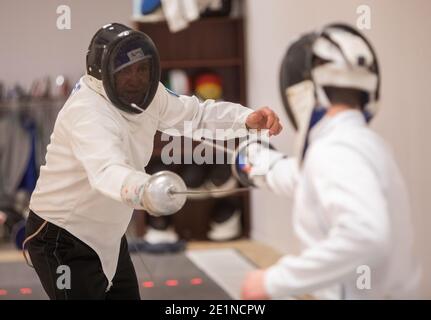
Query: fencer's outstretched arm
211	115
355	224
283	176
258	164
96	142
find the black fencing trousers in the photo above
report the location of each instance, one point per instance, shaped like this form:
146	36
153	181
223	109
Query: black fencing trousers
70	269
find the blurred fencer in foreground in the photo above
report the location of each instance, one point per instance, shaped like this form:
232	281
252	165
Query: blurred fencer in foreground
351	207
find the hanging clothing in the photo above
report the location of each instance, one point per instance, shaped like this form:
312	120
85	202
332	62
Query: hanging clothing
15	152
25	129
28	182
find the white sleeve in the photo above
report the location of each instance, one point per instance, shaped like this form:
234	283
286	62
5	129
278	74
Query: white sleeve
358	227
283	177
207	116
96	143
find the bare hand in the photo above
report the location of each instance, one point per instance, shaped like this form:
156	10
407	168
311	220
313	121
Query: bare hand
253	287
264	118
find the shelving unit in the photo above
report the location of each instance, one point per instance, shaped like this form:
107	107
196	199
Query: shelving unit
215	44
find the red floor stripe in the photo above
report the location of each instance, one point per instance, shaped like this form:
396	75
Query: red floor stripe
148	284
171	283
196	281
3	292
25	290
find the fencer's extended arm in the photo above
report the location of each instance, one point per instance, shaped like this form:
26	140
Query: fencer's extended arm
257	164
355	226
283	176
206	116
96	142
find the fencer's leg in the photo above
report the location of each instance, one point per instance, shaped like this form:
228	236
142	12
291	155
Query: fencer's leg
125	284
54	247
43	262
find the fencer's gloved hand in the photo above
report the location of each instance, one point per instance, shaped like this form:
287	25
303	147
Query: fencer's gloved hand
154	193
252	161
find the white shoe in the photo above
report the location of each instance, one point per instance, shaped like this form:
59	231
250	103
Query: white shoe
154	236
227	230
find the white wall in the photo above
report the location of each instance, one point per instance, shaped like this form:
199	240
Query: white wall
32	46
400	34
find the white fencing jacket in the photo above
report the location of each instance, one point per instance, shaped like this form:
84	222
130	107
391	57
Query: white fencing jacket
95	146
351	214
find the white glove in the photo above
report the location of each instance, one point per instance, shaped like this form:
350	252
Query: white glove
252	161
154	193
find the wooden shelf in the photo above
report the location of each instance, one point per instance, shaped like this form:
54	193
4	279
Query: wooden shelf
210	43
204	40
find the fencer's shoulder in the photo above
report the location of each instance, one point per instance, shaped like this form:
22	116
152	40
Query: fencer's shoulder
349	148
87	105
158	100
363	139
164	93
162	98
356	136
161	93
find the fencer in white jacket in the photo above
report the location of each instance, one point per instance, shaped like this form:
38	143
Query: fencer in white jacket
350	205
95	165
